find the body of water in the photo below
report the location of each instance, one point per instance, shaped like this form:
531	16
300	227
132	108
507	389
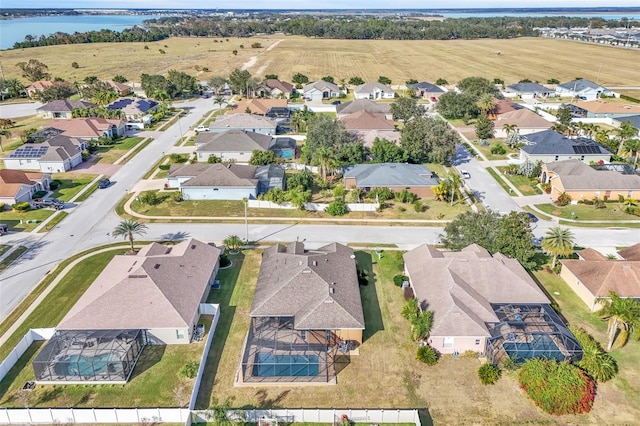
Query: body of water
589	15
14	30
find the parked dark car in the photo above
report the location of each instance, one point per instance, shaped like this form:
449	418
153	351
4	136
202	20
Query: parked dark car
336	103
104	183
532	217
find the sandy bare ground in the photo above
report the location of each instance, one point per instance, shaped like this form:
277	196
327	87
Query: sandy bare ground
254	59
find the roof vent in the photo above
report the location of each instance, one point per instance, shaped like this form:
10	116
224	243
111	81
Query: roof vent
315	263
626	266
193	246
332	290
300	263
138	276
306	271
156	266
328	301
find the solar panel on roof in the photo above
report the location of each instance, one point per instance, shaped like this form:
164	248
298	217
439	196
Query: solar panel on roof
586	149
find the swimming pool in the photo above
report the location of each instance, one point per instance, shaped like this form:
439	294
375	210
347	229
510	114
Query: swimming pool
78	365
267	364
541	346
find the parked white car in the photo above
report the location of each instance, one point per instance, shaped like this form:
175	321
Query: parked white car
465	174
202	129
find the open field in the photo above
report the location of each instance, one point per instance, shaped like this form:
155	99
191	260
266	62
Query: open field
386	374
533	58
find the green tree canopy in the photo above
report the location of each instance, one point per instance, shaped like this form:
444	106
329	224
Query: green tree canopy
384	80
426	139
385	151
239	80
478	86
406	108
484	127
454	105
34	70
184	83
356	81
262	158
299	78
155	83
558	241
55	92
328	79
129	228
327	132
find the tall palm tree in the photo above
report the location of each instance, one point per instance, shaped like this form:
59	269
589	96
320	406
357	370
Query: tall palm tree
219	100
129	228
558	242
325	159
633	148
624	132
510	128
455	181
485	103
6	134
623	314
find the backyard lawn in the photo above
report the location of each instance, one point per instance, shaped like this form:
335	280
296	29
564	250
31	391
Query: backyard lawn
34	217
70	185
385	374
612	212
110	153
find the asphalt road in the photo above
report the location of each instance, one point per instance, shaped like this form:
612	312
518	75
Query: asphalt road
19	110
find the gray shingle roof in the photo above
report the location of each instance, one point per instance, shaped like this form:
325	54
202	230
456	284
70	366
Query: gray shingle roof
372	87
633	119
321	85
576	175
550	142
580	85
160	287
529	88
319	288
363	105
243	121
65	105
390	175
459	287
232	141
425	87
231	175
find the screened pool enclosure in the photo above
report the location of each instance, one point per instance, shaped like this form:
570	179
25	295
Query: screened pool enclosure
530	331
89	356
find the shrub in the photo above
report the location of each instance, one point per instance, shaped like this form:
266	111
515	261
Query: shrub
150	198
404	196
177	197
419	207
54	184
427	354
498	149
256	45
557	388
21	207
563	199
177	158
189	370
75	65
164	166
337	208
338	191
402	209
509	364
224	260
382	194
488	373
595	361
399	279
3	206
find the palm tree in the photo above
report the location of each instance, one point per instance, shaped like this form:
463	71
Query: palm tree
455	181
558	242
6	134
510	128
129	228
622	313
633	148
219	100
624	132
233	243
325	159
485	104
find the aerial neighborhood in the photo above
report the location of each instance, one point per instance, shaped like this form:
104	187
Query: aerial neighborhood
181	245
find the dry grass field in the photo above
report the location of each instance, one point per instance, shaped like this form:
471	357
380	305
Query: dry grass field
533	58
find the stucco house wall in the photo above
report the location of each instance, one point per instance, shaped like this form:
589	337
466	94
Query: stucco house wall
587	159
579	289
238	157
218	193
451	344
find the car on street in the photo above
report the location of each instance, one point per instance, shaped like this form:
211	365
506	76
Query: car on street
465	174
104	183
202	129
537	241
336	103
532	217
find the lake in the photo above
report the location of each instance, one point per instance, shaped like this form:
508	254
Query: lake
13	30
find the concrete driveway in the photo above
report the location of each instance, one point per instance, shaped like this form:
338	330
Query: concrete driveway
19	110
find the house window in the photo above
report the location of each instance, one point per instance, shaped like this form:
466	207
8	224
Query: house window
556	158
215	189
303	334
582	158
477	342
629	193
447	343
327	334
179	334
597	193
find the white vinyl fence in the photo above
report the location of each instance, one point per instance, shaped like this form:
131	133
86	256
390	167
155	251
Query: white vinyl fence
205	309
93	415
312	207
33	335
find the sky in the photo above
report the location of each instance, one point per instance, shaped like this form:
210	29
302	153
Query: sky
316	4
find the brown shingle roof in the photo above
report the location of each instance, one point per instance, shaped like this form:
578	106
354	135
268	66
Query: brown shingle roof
364	120
257	106
590	254
603	276
232	141
524	119
84	127
65	105
630	253
601	107
283	86
160	287
319	288
576	175
459	287
12	180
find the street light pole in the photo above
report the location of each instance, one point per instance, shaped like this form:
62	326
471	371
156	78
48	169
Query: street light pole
246	222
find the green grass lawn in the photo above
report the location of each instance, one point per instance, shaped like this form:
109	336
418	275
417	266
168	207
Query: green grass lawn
34	216
486	149
70	185
7	261
110	153
53	222
434	210
612	212
137	149
524	184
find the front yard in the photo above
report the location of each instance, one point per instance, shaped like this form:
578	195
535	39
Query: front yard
612	212
24	221
525	185
70	184
110	153
386	374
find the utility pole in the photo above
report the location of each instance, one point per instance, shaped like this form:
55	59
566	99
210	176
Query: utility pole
246	222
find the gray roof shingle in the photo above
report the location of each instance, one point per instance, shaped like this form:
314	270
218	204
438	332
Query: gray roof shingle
576	175
580	85
550	142
529	88
390	175
232	141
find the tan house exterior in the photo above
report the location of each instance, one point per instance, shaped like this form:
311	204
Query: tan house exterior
462	289
583	182
594	276
18	186
525	120
158	290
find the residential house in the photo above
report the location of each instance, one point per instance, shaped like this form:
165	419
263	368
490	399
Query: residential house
593	276
272	88
633	119
17	186
90	128
426	90
146	298
232	145
62	108
37	87
55	155
319	90
583	89
601	109
486	304
549	146
120	88
135	110
368	137
243	121
583	182
529	90
365	105
219	181
284	147
364	121
502	106
373	91
307	309
524	119
395	176
260	106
